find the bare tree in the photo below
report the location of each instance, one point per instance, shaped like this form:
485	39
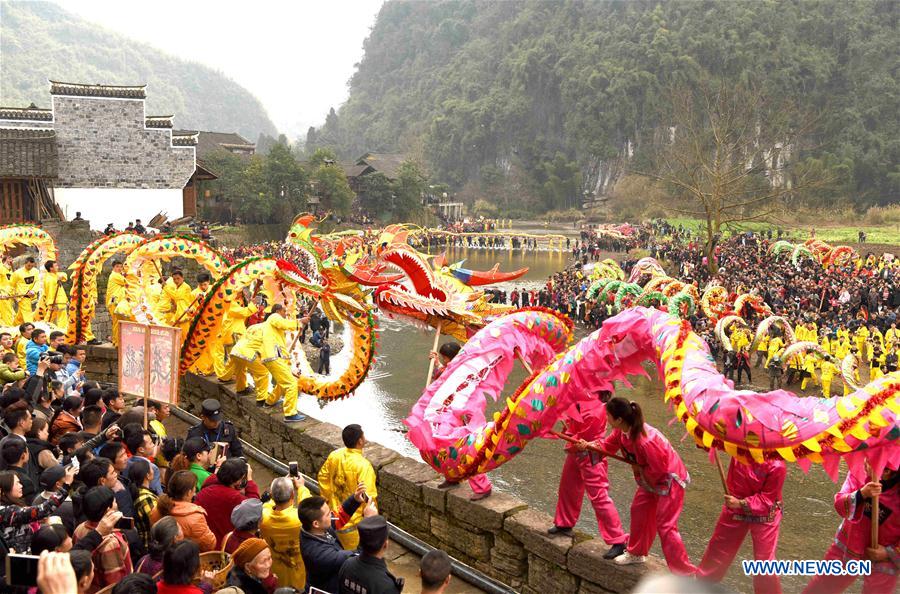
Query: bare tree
732	155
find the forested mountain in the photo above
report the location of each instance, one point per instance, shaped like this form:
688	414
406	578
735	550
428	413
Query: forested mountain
41	41
540	102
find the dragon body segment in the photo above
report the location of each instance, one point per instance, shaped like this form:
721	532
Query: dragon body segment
143	269
83	296
30	236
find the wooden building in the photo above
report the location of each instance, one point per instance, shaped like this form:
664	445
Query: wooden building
29	162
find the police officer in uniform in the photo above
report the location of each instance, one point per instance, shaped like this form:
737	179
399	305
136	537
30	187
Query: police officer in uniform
213	429
368	573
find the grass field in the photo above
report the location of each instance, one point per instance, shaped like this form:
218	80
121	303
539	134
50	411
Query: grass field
836	234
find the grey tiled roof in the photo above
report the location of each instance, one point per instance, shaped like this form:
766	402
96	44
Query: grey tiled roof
30	113
83	90
28	153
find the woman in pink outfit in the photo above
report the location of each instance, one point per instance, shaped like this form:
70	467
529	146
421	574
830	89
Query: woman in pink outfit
753	504
585	470
853	539
661	478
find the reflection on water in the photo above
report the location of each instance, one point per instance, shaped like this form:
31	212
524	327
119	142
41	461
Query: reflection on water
398	378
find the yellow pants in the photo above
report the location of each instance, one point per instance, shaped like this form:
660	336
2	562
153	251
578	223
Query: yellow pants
349	540
58	318
114	320
286	385
238	369
7	313
826	387
812	376
220	360
874	373
26	312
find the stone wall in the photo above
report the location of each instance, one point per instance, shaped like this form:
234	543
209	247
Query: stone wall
71	237
104	143
500	536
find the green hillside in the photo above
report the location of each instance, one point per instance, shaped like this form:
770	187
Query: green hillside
537	102
41	41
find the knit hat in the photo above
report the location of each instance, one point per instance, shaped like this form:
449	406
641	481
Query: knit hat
248	550
247	514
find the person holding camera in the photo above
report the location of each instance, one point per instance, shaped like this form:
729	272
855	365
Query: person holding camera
280	528
16	518
223	491
112	557
322	552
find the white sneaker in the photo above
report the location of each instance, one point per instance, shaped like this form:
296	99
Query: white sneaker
627	558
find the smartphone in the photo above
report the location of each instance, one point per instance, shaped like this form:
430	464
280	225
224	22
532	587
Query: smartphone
21	570
74	463
125	523
220	448
293	469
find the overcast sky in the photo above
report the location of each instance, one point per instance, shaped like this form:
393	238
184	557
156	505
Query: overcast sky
295	56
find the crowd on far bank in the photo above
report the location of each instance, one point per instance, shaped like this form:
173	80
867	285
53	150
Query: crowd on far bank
855	305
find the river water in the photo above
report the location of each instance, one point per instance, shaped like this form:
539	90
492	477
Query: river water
398	378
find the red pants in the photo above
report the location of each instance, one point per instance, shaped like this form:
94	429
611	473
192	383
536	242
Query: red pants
652	514
480	483
877	583
727	539
578	476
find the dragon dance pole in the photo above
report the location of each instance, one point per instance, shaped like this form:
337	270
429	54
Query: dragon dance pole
721	471
875	513
571	439
299	330
523	361
434	346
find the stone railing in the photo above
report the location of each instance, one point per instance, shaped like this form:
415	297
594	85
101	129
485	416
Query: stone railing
501	536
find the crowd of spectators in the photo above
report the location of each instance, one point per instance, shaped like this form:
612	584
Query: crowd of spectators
136	509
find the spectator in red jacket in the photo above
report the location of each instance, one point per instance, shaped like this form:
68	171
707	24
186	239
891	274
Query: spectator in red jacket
223	491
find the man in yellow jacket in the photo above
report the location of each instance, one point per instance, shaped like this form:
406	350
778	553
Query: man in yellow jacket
177	299
340	475
276	358
828	371
115	292
245	357
24	283
7	312
280	528
233	328
53	303
776	345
